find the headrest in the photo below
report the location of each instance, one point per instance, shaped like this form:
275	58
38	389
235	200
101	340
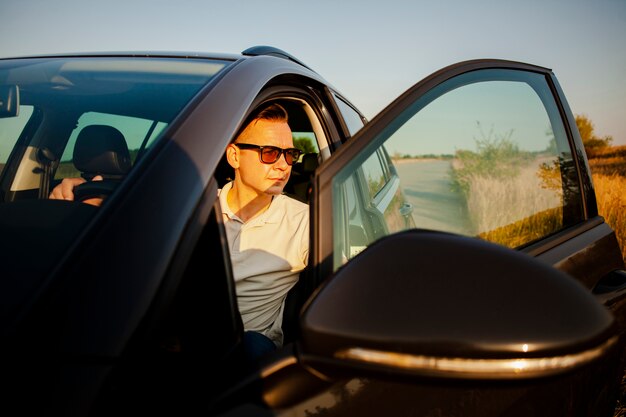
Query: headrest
101	150
309	162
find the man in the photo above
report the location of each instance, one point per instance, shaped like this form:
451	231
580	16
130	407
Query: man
268	233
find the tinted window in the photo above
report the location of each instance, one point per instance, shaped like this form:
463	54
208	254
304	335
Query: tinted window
484	154
138	97
351	117
374	175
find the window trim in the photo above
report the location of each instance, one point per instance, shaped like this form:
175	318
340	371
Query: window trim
338	98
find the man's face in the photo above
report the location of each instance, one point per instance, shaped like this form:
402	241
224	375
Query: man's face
253	174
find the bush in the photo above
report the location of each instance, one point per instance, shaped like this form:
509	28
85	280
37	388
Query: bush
497	157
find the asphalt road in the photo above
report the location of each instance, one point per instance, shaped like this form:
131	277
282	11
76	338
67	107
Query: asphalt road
436	205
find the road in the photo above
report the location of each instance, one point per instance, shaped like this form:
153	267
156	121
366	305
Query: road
436	205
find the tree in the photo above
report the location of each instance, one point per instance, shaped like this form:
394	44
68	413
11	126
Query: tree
305	144
587	134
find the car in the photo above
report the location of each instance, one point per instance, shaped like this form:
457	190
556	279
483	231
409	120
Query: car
458	264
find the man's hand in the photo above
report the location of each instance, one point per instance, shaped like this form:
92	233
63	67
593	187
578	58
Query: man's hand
65	190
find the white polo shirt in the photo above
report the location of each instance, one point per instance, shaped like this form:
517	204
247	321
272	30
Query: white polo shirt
267	254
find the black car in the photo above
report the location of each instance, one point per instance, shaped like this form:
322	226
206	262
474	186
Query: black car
458	264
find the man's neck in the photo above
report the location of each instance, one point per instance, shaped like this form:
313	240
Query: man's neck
246	206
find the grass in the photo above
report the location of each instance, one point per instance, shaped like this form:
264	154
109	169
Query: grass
608	161
611	196
527	229
500	185
514	209
608	170
509	193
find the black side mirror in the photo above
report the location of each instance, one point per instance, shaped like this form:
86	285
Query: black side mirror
9	101
446	306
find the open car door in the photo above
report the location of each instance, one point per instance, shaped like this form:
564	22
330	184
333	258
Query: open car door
487	150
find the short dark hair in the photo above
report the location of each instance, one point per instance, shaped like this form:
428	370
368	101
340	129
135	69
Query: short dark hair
272	112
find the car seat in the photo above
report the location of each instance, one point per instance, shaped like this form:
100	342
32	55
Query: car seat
299	183
100	150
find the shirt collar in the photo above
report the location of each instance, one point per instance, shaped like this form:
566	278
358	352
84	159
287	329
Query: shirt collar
271	215
224	202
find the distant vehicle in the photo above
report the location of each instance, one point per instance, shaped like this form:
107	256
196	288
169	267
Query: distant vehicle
458	263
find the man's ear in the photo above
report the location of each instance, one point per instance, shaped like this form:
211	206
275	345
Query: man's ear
232	156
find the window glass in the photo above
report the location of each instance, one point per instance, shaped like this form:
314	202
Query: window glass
353	235
138	96
299	185
353	120
10	130
484	154
374	175
305	141
138	133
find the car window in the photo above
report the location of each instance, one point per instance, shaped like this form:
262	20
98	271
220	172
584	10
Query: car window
351	117
305	141
375	175
308	136
484	154
372	205
10	130
127	102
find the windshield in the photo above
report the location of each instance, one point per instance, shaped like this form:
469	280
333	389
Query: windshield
47	102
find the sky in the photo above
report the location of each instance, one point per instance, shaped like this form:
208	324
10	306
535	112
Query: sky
371	51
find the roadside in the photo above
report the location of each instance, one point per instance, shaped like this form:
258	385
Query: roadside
608	169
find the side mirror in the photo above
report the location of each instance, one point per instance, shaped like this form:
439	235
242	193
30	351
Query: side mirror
446	306
9	101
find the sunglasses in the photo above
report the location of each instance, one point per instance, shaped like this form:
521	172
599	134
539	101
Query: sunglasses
270	154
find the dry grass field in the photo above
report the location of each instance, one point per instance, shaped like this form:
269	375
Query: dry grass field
514	210
608	169
512	177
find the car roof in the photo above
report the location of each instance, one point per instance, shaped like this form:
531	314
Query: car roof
163	54
249	52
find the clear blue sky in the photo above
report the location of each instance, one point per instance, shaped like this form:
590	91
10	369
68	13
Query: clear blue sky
370	50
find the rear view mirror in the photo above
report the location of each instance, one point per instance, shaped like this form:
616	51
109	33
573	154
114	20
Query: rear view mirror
9	101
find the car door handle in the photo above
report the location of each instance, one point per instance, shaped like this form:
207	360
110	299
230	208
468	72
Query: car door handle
611	288
406	209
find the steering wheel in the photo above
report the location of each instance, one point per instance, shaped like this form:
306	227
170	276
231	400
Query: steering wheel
94	189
